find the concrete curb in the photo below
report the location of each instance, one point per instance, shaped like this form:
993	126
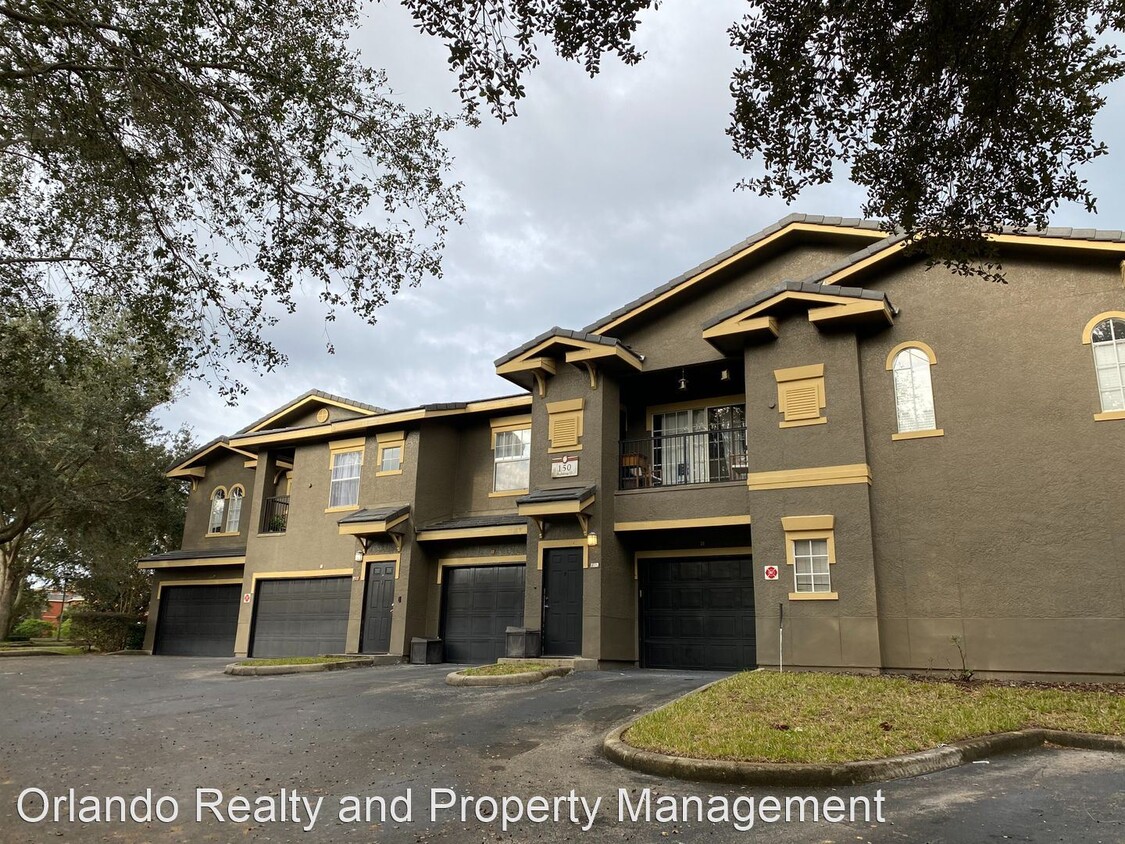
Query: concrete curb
34	651
778	774
525	678
236	670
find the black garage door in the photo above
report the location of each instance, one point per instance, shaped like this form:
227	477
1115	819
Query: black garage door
698	613
301	617
480	603
197	620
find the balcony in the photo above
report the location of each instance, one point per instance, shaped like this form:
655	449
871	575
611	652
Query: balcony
701	457
275	514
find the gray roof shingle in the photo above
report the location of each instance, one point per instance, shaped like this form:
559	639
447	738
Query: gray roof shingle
489	520
375	514
569	493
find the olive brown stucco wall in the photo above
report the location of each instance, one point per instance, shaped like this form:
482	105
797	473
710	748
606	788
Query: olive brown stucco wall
1005	532
677	340
226	471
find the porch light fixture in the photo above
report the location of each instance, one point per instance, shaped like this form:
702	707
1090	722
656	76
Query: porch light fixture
591	539
683	381
724	375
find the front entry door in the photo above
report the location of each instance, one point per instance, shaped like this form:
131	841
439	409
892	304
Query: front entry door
562	602
378	608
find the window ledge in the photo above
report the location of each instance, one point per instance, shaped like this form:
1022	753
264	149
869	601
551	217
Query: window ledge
1108	415
801	423
387	472
268	535
342	509
507	493
226	533
918	435
814	596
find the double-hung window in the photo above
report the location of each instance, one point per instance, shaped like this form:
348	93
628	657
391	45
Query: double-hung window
344	486
511	452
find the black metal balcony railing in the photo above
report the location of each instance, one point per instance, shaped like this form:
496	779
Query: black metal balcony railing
702	457
275	514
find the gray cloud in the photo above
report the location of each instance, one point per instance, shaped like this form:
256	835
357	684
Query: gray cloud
600	190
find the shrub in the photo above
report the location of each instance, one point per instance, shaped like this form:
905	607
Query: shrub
106	631
66	626
31	627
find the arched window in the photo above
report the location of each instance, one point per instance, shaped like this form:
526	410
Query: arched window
218	508
234	508
1108	341
914	391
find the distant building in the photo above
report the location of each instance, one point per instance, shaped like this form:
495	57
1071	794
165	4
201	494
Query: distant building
55	605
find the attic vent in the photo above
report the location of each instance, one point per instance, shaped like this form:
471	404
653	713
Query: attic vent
322	415
800	395
564	427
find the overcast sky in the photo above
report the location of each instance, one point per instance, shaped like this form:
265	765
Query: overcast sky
599	191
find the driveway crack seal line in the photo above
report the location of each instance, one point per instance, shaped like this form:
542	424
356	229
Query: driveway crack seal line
617	750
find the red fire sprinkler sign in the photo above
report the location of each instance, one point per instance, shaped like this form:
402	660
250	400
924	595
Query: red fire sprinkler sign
771	572
247	597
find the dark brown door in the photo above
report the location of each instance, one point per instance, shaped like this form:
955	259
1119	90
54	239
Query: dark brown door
378	609
562	602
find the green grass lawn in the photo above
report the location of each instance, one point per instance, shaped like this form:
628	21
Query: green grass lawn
294	660
503	668
769	717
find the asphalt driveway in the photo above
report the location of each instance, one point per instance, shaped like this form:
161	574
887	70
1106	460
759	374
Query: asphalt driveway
121	726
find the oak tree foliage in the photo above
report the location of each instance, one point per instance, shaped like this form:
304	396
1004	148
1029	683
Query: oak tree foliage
194	163
84	485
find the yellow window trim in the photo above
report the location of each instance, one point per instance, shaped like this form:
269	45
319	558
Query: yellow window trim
355	444
387	472
814	596
508	493
546	544
498	560
1109	415
346	508
390	439
918	435
510	423
924	348
794	523
1088	331
688	553
225	533
803	423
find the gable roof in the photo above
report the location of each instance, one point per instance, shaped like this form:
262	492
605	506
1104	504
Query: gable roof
311	397
1061	237
794	225
184	468
806	288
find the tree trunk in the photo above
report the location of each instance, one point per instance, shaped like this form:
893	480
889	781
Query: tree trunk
10	577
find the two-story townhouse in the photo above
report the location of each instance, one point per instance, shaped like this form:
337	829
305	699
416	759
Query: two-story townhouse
809	450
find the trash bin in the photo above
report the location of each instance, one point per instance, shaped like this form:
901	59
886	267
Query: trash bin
426	651
521	643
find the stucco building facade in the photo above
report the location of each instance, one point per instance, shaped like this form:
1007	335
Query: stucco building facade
900	468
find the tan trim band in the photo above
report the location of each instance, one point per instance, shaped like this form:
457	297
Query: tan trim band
471	533
193	561
792	523
671	524
855	473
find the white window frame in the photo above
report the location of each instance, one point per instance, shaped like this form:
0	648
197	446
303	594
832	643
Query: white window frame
234	511
1116	347
499	444
217	514
802	550
338	484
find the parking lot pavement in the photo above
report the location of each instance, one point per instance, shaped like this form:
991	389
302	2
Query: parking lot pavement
165	727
